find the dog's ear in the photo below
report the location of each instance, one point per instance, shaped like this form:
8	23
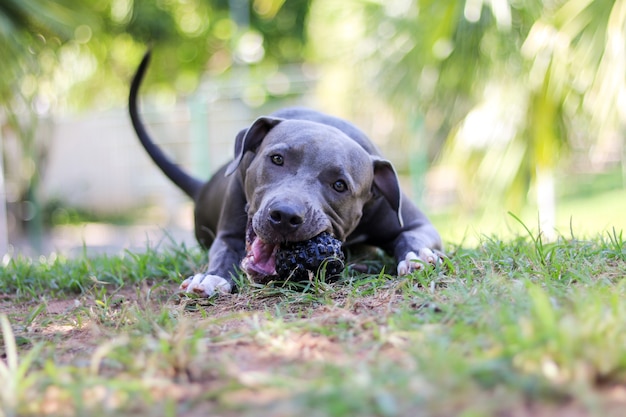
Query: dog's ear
249	139
387	184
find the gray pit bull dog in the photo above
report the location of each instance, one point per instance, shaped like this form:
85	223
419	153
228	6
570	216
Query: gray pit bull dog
295	174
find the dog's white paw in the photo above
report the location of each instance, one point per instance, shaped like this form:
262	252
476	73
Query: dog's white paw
206	285
416	261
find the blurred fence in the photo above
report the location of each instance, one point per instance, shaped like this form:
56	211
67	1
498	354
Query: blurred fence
96	163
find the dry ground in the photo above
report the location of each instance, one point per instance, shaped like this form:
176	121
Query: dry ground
258	354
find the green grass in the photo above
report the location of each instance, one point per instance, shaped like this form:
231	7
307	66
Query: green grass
521	327
588	204
54	275
57	212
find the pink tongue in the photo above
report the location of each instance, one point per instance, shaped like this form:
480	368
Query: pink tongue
263	259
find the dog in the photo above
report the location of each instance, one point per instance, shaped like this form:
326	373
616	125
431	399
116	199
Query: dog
295	174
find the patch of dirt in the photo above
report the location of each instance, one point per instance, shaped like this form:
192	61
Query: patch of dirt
247	347
11	307
59	307
68	322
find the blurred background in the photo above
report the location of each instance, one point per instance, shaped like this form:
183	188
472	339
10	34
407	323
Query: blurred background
485	107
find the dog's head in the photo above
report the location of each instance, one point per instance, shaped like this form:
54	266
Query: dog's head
303	178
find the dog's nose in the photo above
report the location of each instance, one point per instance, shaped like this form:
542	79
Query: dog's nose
285	218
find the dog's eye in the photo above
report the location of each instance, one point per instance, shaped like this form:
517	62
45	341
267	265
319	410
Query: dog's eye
277	159
340	186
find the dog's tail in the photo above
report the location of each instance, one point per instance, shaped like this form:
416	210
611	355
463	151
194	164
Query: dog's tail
184	181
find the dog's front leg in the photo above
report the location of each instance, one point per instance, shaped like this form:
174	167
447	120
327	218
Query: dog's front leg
224	257
417	243
229	246
417	247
